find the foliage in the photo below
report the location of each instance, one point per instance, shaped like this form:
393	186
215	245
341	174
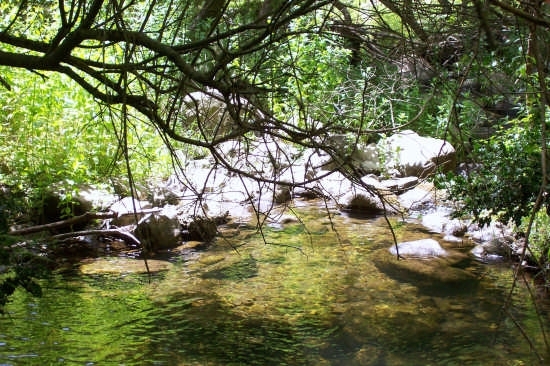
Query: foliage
64	141
318	67
291	60
294	65
504	185
19	268
47	132
539	238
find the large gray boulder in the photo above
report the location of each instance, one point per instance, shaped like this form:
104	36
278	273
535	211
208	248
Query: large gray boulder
128	211
210	112
96	198
354	197
423	248
405	154
413	155
161	230
343	149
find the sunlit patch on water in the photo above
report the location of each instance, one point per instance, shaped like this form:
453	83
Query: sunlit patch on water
311	296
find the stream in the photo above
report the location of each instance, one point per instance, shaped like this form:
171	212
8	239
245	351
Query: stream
299	293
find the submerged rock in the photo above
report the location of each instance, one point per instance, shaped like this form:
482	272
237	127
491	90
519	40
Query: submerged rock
120	265
423	248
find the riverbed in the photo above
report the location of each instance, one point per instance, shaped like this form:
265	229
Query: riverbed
321	290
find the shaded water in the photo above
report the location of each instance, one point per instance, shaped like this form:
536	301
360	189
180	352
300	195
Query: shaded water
311	297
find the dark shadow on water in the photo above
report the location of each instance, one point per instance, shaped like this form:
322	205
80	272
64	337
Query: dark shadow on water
361	215
203	330
243	269
343	348
430	279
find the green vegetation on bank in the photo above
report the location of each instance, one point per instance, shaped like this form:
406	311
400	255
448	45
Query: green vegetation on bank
58	137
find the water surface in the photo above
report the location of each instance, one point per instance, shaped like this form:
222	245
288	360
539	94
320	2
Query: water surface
310	296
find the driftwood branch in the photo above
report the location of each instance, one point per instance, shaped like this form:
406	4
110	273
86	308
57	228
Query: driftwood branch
116	233
88	216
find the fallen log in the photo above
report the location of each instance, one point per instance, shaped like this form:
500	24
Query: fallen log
87	217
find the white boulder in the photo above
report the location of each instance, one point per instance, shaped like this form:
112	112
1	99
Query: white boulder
423	248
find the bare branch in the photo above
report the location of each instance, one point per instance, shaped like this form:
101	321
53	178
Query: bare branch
85	218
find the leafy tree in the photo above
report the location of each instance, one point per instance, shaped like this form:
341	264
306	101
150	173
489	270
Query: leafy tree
141	59
506	185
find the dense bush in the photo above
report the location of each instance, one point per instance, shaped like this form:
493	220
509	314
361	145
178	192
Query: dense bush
60	137
503	183
539	240
19	268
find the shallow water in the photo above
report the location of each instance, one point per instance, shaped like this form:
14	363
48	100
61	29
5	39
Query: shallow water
310	296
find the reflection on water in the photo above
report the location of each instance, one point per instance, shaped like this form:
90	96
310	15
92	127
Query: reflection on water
339	299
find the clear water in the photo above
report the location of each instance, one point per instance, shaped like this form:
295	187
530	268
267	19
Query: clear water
309	297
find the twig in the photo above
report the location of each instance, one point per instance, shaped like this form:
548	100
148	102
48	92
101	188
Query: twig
117	233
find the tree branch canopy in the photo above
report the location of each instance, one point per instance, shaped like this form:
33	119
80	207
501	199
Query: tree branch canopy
279	66
150	56
163	51
108	27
